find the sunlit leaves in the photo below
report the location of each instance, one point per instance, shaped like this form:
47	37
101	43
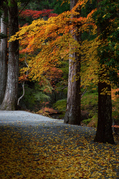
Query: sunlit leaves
50	39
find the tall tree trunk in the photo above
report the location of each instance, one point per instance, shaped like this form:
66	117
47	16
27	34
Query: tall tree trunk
10	98
3	56
104	129
73	111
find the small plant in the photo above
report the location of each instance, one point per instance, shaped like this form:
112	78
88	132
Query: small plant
46	111
86	121
60	105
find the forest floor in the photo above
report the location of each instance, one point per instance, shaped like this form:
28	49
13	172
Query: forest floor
34	146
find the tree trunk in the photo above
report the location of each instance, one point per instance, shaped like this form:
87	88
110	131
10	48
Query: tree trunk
10	98
104	127
3	57
73	111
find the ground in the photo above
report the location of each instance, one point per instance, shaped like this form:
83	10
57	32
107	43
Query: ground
34	146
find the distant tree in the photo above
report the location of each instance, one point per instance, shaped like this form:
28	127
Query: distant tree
3	54
58	6
10	97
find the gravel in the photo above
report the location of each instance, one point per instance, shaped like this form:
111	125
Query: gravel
25	118
21	119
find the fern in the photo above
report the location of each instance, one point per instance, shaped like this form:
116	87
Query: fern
40	96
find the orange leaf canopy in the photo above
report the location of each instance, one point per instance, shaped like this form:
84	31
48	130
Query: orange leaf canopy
50	40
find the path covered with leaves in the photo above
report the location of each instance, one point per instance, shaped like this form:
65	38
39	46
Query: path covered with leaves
53	150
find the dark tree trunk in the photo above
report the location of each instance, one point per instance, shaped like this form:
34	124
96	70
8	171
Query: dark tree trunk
3	56
10	98
73	111
104	129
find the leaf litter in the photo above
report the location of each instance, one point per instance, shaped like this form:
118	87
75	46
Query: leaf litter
50	152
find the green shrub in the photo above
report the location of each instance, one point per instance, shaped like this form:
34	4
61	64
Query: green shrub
86	121
60	105
89	102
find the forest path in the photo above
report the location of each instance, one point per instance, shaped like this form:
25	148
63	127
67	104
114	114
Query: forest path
24	118
35	146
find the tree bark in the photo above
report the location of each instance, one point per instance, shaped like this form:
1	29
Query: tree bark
10	97
3	56
104	127
73	110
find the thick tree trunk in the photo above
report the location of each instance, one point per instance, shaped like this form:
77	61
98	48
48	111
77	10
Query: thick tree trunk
3	57
73	111
10	98
104	129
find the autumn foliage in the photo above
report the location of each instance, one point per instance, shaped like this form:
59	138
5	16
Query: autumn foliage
45	43
50	40
36	14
